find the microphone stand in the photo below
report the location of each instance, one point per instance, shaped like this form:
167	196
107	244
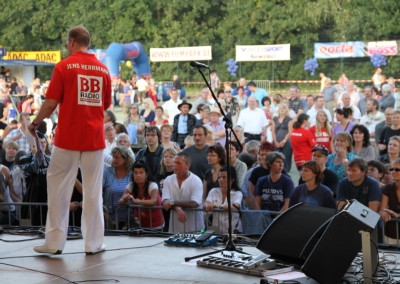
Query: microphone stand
230	245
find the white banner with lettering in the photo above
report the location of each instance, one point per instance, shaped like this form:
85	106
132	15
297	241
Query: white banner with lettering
263	52
190	53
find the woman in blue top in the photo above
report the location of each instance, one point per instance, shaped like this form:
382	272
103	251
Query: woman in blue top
115	180
312	191
337	162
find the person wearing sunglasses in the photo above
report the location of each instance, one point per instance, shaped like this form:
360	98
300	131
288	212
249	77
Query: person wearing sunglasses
390	208
357	185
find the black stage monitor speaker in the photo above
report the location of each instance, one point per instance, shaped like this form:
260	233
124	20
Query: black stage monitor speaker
332	249
288	234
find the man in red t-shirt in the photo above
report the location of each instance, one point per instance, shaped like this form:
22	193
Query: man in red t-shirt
81	87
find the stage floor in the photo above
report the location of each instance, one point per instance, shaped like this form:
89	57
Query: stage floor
128	259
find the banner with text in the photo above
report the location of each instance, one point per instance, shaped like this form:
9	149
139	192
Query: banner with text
189	53
387	48
40	56
339	49
263	52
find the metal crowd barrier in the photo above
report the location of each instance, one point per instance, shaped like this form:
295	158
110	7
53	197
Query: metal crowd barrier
254	222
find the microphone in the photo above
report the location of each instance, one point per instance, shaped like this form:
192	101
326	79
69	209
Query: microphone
198	65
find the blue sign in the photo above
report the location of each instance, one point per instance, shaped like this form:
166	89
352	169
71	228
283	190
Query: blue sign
2	52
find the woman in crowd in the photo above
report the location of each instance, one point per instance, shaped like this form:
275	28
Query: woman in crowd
312	191
143	191
273	191
135	125
393	151
337	161
240	166
389	131
115	180
159	120
27	104
362	147
148	111
389	208
217	199
343	118
281	128
166	133
167	168
216	158
322	130
302	140
241	97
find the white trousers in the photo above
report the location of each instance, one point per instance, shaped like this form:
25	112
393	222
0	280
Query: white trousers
61	177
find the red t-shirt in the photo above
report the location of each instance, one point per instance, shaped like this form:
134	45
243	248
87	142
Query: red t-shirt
321	138
82	86
302	143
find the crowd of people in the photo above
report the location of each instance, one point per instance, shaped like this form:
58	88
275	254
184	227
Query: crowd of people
344	141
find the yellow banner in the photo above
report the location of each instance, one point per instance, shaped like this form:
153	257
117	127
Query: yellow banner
41	56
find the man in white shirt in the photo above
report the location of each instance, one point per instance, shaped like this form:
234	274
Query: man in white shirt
142	87
318	105
346	102
170	107
253	120
182	191
372	117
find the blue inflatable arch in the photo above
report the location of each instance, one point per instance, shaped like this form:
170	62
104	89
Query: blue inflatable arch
133	51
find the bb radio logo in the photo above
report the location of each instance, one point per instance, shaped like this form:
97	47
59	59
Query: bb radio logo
90	90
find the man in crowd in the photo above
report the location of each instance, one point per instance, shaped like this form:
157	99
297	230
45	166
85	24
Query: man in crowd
181	191
387	122
372	117
362	104
253	120
329	93
319	105
152	153
198	152
346	103
203	99
357	185
295	102
183	123
170	107
257	92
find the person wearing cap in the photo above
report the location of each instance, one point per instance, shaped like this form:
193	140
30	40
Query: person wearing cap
218	126
312	191
183	123
320	155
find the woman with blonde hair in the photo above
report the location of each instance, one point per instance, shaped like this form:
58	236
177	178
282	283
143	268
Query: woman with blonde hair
393	151
148	111
135	125
166	133
281	128
322	130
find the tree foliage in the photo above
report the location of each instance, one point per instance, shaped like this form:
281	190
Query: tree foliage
42	25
